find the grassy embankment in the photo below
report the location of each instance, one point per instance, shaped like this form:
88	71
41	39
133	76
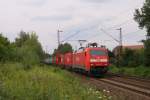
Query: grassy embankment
43	83
141	71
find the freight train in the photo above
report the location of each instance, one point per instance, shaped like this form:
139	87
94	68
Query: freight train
91	60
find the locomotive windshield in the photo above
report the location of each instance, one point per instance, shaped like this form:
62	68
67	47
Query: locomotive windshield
97	52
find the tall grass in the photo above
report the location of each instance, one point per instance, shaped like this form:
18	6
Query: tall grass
140	71
43	83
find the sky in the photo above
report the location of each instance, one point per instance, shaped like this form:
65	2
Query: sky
90	20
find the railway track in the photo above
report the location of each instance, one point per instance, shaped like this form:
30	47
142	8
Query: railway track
129	77
141	84
135	86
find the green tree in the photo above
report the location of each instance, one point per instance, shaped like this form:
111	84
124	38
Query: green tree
28	49
23	36
111	57
4	48
54	52
142	16
127	57
132	58
110	53
63	48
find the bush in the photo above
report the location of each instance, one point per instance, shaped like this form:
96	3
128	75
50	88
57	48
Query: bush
132	58
139	71
26	49
147	53
43	83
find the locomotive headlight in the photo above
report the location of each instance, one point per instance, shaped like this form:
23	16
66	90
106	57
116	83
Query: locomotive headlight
104	60
93	60
98	60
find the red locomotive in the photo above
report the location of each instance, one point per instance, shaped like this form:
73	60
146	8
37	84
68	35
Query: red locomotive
93	60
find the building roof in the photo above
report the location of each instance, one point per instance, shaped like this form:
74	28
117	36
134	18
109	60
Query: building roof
134	47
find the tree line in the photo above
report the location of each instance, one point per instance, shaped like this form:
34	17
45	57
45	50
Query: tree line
25	49
131	57
128	58
63	49
142	17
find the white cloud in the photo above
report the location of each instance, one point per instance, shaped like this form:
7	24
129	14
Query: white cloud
52	18
88	16
98	1
37	3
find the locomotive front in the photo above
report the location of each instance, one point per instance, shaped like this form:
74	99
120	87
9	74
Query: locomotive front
97	60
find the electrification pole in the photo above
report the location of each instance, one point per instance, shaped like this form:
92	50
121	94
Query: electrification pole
120	46
58	36
120	36
118	41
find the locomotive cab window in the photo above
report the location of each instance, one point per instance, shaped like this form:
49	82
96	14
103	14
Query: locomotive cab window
97	52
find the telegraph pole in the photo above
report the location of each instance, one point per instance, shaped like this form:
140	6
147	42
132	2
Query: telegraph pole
58	36
120	39
120	45
120	36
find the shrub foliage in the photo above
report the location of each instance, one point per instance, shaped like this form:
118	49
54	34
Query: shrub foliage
25	49
142	16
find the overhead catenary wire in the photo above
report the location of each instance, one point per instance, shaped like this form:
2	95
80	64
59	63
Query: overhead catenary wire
109	35
126	34
120	24
70	36
109	28
113	27
77	32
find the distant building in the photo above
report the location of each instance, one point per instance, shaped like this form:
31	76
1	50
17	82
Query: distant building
132	47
